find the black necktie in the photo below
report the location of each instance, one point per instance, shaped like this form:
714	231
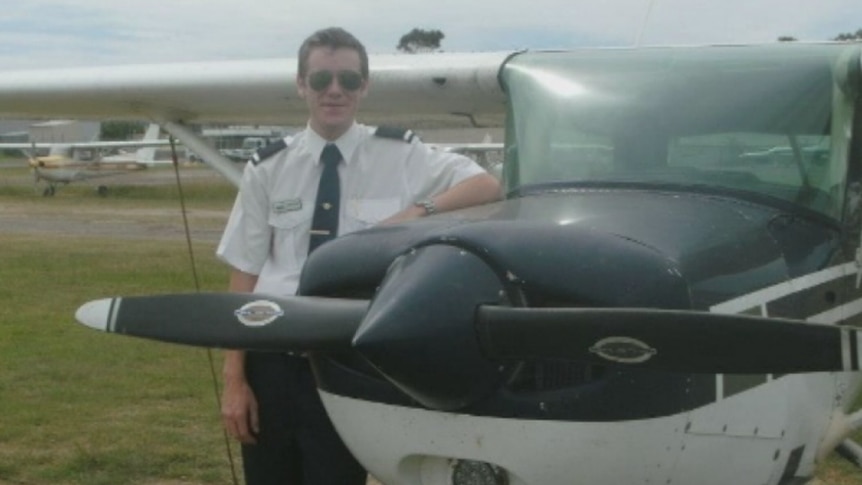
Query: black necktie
324	224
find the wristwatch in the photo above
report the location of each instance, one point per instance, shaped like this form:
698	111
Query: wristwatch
428	205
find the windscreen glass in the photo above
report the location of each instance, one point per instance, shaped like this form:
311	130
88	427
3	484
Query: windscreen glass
744	119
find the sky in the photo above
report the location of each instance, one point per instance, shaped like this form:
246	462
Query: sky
66	33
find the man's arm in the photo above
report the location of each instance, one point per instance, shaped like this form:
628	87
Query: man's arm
476	190
239	406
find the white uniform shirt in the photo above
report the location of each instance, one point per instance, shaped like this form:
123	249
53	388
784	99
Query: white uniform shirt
268	230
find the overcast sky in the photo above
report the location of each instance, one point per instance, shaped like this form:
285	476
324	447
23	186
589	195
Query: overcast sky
61	33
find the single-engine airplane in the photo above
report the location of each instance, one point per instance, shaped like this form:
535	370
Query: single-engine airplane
643	307
64	163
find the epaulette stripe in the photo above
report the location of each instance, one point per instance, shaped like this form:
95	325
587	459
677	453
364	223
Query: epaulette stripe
268	151
394	133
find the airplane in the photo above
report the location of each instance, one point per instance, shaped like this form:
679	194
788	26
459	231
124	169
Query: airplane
650	311
78	161
788	154
488	154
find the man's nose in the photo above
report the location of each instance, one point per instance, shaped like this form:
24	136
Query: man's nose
334	87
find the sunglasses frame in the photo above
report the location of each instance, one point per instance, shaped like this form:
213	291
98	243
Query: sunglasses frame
349	80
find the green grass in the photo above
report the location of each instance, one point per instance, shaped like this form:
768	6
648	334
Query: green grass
80	407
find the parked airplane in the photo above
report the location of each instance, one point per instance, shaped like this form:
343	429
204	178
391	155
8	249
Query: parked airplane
73	162
654	311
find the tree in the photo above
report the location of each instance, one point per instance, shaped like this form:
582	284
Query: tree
850	36
786	38
121	130
420	40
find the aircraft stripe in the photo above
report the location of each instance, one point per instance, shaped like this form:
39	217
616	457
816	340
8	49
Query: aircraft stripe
112	314
839	313
858	348
814	300
771	293
845	351
854	349
757	302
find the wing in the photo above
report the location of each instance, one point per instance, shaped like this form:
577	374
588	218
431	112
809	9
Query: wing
88	144
433	88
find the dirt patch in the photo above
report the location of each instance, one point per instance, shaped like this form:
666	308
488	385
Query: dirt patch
117	223
74	215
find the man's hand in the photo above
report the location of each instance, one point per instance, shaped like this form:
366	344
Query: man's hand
239	411
239	414
476	190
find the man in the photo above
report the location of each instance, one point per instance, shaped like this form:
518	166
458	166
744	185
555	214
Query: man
270	402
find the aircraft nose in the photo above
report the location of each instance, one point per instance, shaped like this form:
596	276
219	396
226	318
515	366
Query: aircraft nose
419	331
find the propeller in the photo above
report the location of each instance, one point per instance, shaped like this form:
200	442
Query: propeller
439	330
687	341
464	362
230	320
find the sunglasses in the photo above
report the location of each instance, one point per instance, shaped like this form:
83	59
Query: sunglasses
349	80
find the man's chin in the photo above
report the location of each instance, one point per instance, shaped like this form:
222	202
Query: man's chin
335	126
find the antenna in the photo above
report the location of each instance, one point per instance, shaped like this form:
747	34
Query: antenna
644	23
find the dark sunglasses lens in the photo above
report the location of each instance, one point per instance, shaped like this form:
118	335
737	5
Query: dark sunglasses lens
350	80
320	80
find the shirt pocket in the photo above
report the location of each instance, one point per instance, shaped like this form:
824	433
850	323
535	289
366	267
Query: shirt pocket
290	238
364	213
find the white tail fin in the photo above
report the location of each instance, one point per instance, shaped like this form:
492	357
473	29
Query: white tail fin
147	155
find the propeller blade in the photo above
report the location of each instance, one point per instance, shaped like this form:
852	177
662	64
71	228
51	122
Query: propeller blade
230	320
686	341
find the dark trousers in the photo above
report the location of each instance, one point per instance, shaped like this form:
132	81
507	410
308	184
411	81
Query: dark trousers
297	444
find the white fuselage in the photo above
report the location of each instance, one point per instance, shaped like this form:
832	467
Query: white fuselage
77	171
744	439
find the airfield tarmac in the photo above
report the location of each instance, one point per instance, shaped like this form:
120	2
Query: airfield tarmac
24	217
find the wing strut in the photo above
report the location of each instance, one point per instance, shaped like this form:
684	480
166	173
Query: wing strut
208	154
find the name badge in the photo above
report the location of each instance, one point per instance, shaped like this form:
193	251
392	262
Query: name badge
287	205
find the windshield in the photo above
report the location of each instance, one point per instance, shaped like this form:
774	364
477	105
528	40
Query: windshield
761	120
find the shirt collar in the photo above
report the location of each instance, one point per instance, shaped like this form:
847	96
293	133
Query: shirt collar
346	143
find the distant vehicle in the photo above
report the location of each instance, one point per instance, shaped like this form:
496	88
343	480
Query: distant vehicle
249	146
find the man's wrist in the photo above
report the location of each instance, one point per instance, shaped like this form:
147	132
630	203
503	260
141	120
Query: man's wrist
427	205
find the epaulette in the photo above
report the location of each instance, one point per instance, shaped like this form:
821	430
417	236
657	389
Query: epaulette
267	151
395	133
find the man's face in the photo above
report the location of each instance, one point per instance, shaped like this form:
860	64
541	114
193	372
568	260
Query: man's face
332	106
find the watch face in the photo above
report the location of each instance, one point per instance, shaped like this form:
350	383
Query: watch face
429	206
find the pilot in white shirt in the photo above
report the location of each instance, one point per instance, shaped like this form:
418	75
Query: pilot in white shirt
384	171
270	402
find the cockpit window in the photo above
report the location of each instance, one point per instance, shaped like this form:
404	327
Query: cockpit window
768	121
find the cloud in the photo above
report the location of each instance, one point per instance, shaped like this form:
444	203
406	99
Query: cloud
59	33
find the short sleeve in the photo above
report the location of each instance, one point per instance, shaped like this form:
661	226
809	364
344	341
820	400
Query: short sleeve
246	239
432	171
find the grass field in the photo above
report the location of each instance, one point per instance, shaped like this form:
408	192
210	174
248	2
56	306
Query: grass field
81	407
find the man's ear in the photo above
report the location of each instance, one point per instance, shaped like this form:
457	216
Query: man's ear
363	90
300	86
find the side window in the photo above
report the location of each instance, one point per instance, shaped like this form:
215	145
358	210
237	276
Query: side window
784	166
